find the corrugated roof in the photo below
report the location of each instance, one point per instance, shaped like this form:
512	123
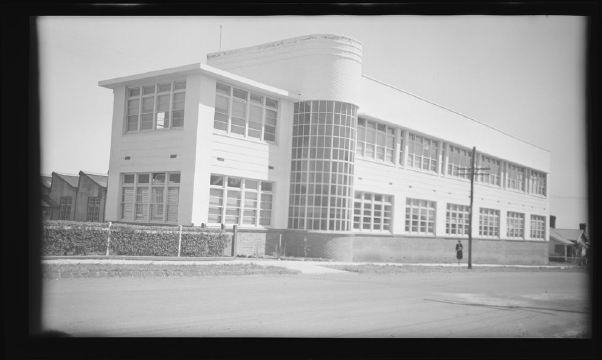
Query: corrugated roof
72	180
46	180
97	178
555	235
570	234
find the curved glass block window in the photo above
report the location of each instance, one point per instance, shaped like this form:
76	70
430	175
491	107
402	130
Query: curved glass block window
420	217
149	197
422	153
239	201
323	149
375	141
516	225
457	220
489	222
493	175
516	177
372	212
538	183
458	159
242	112
156	107
538	227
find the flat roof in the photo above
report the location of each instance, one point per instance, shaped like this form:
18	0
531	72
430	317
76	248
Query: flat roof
198	68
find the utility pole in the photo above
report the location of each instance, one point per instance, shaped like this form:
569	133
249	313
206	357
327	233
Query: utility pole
473	172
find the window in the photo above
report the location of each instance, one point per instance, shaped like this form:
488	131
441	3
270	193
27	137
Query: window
323	150
150	197
238	201
245	113
516	225
372	212
375	141
459	160
489	222
65	208
457	220
156	107
538	183
491	176
538	227
422	153
93	213
420	216
401	147
516	177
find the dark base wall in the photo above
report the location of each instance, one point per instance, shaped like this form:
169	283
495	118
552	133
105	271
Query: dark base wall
442	250
398	249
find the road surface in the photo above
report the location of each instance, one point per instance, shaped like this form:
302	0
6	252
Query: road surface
420	305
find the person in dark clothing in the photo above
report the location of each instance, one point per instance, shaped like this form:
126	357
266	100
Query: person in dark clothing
459	249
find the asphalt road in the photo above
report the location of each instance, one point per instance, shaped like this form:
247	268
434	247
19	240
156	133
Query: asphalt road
421	305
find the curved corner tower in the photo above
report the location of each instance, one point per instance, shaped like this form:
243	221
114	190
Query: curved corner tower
325	72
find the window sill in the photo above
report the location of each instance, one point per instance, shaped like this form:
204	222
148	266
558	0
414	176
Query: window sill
244	138
428	172
375	161
152	131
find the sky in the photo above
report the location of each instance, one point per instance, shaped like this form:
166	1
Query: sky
523	75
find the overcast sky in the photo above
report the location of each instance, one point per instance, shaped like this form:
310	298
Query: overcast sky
523	75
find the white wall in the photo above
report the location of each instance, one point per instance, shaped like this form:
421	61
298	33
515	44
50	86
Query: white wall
247	158
317	67
398	108
151	151
376	177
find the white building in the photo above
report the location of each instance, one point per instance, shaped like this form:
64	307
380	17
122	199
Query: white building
290	139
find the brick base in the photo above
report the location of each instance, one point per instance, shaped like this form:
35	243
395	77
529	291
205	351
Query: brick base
400	249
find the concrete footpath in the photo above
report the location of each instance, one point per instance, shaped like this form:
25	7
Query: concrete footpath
304	267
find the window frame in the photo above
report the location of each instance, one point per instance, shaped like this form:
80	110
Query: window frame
517	220
65	207
411	207
489	161
484	228
360	212
538	183
464	157
515	181
95	206
244	190
249	104
155	96
147	205
538	227
388	133
463	210
412	154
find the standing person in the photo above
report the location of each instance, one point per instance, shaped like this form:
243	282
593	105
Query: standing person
459	249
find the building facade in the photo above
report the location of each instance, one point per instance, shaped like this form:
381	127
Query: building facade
293	144
79	197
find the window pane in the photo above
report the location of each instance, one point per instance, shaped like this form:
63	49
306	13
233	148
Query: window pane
159	178
240	94
174	178
143	178
271	103
217	180
179	85
223	89
164	87
148	90
134	92
234	182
